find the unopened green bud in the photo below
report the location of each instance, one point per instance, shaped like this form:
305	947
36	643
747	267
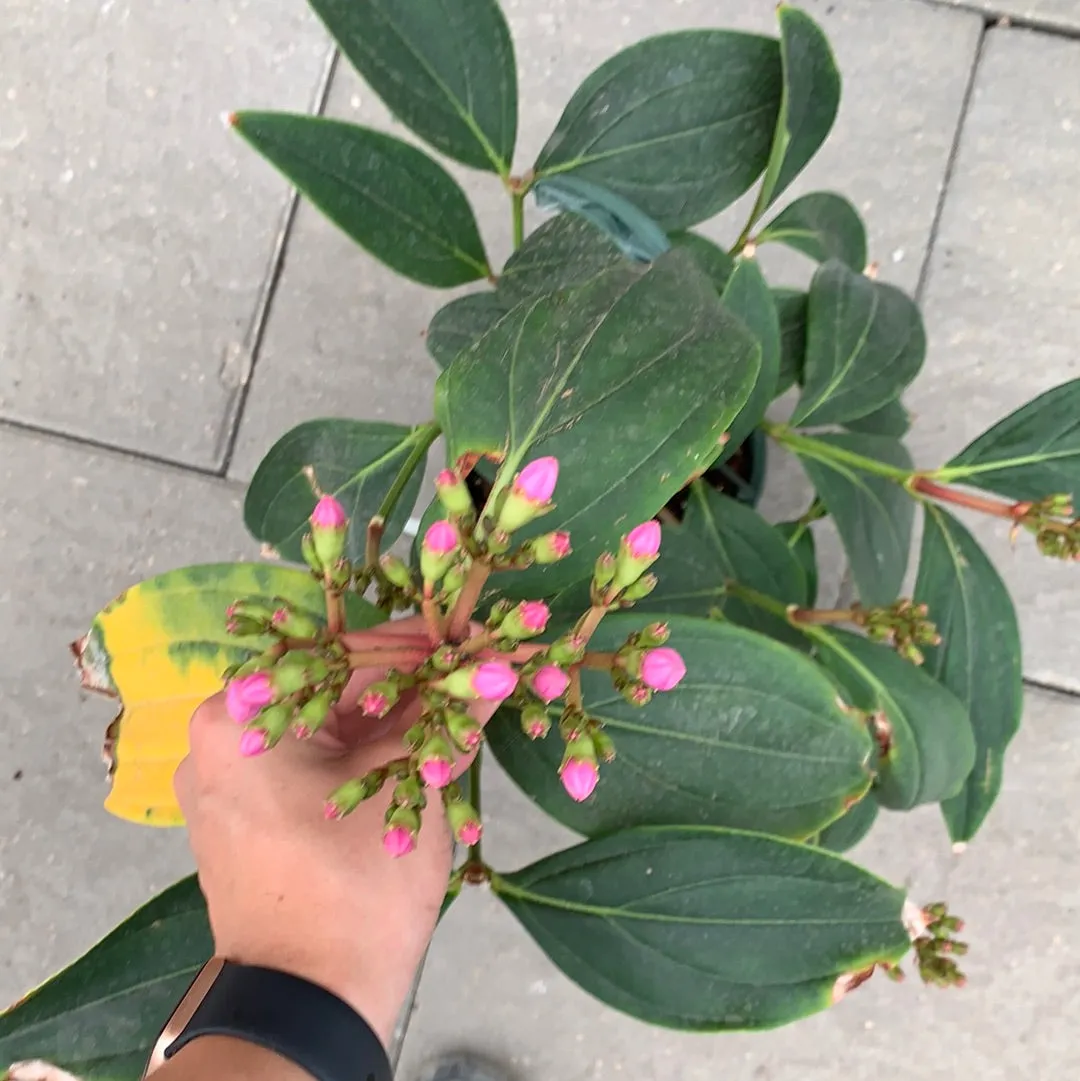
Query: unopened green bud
454	494
259	663
641	588
396	571
655	634
463	730
567	650
499	611
329	527
535	722
292	624
454	578
311	557
604	570
313	714
407	792
605	746
347	797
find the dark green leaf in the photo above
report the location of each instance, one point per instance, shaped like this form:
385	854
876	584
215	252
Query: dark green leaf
461	323
706	929
891	419
821	225
445	70
392	199
680	125
805	552
630	381
565	251
636	234
845	833
752	737
864	343
1032	453
354	460
931	746
709	256
791	310
99	1018
873	515
978	659
722	540
808	105
747	296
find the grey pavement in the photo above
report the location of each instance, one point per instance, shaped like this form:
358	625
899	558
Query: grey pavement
164	316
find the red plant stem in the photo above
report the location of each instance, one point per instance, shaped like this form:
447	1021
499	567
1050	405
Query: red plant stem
466	602
591	620
994	507
374	540
335	610
475	644
821	615
390	658
602	661
430	611
573	694
523	653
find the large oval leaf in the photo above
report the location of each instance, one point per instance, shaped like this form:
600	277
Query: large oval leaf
891	419
630	381
873	515
846	832
680	125
458	325
706	929
979	658
791	310
753	737
865	342
445	70
709	256
161	647
1032	453
821	225
99	1017
354	460
392	199
746	294
931	746
721	540
808	106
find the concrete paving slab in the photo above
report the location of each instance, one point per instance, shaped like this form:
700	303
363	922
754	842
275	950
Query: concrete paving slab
135	231
1050	13
345	333
1003	300
77	528
488	988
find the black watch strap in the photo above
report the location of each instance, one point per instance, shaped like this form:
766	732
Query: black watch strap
298	1020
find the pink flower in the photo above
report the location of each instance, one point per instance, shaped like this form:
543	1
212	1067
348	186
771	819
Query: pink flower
662	668
252	742
536	482
560	543
244	697
436	772
579	777
446	478
643	541
441	538
549	682
398	841
328	514
534	616
374	704
494	680
469	832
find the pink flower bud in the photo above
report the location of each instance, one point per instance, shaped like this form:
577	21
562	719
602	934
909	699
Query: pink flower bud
253	742
534	616
494	680
398	841
643	541
549	682
536	482
579	778
470	832
551	547
662	669
436	772
374	704
328	514
332	812
453	493
441	538
246	696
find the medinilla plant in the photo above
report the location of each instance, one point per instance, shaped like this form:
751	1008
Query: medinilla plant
669	687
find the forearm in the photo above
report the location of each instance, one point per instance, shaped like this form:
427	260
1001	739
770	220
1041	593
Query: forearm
221	1058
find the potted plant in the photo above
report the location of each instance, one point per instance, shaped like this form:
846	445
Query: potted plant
670	688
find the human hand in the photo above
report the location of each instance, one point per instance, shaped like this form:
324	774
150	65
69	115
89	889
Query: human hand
287	889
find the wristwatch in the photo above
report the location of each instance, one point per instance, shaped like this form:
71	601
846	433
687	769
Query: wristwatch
293	1017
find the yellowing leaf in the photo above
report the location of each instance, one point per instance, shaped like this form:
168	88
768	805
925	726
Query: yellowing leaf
161	647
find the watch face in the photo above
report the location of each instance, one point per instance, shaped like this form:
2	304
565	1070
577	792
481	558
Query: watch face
183	1013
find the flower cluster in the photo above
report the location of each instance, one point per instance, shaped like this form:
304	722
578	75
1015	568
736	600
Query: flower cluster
457	662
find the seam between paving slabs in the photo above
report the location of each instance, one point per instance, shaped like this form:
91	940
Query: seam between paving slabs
1003	17
260	317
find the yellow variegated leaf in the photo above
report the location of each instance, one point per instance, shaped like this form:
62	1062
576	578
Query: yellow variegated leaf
161	648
